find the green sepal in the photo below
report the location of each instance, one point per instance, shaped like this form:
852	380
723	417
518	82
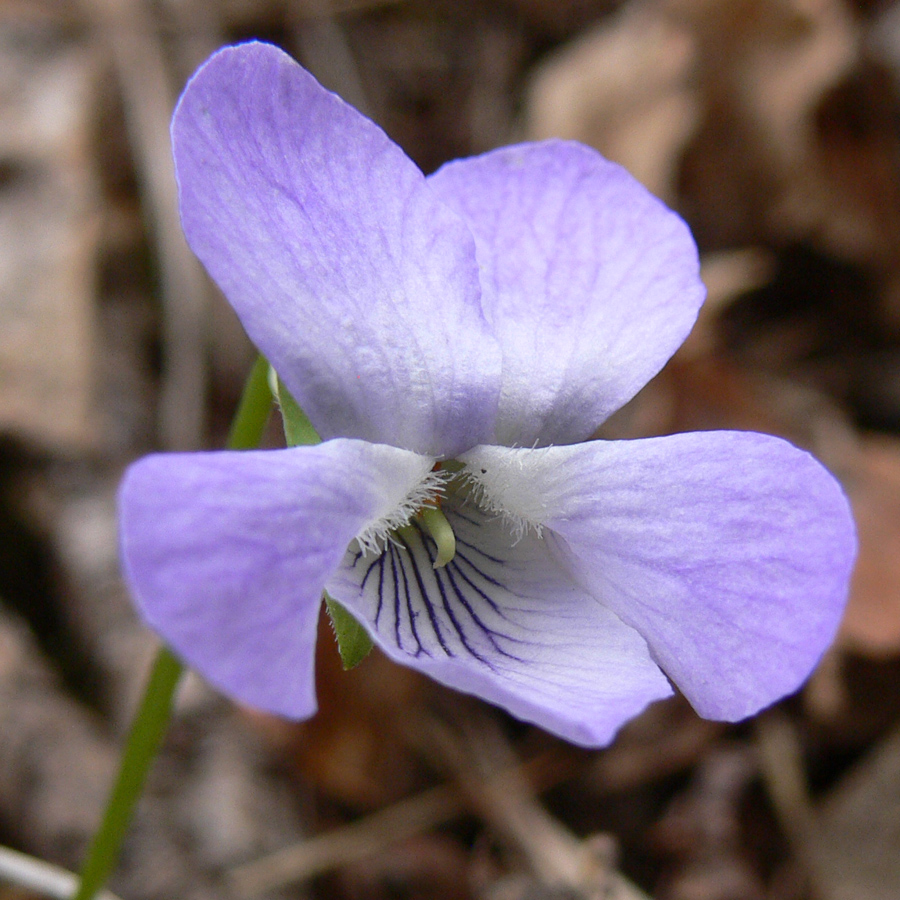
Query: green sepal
298	430
354	643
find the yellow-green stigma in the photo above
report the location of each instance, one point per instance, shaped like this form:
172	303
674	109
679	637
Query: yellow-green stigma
436	524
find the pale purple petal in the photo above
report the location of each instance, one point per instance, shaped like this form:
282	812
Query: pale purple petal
590	283
359	286
227	554
730	552
505	622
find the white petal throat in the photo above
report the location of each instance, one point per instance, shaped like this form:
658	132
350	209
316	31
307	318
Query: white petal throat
376	535
502	485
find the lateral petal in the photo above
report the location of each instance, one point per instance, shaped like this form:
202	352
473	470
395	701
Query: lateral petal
730	552
503	621
590	282
355	281
227	554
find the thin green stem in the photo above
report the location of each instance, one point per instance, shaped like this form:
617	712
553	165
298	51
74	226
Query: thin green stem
146	735
152	718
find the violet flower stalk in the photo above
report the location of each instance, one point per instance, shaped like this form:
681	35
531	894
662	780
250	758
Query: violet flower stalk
456	340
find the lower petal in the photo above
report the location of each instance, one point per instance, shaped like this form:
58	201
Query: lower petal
730	552
502	621
227	554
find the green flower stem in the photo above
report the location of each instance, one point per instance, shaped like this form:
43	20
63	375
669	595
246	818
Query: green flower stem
152	718
146	735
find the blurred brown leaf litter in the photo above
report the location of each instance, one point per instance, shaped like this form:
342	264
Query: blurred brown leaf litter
773	126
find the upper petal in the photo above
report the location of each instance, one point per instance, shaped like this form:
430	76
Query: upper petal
347	272
590	282
503	621
227	554
730	552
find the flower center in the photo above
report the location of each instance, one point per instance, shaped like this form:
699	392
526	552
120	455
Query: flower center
422	509
431	516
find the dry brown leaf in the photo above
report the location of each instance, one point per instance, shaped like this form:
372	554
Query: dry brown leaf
871	476
48	234
759	165
623	88
353	749
858	833
701	831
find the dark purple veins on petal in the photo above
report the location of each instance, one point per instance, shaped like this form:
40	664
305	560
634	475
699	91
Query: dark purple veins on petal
444	611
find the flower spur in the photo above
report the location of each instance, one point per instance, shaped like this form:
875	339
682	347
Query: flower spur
456	340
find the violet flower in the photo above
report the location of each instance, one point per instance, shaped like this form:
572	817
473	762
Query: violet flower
488	317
